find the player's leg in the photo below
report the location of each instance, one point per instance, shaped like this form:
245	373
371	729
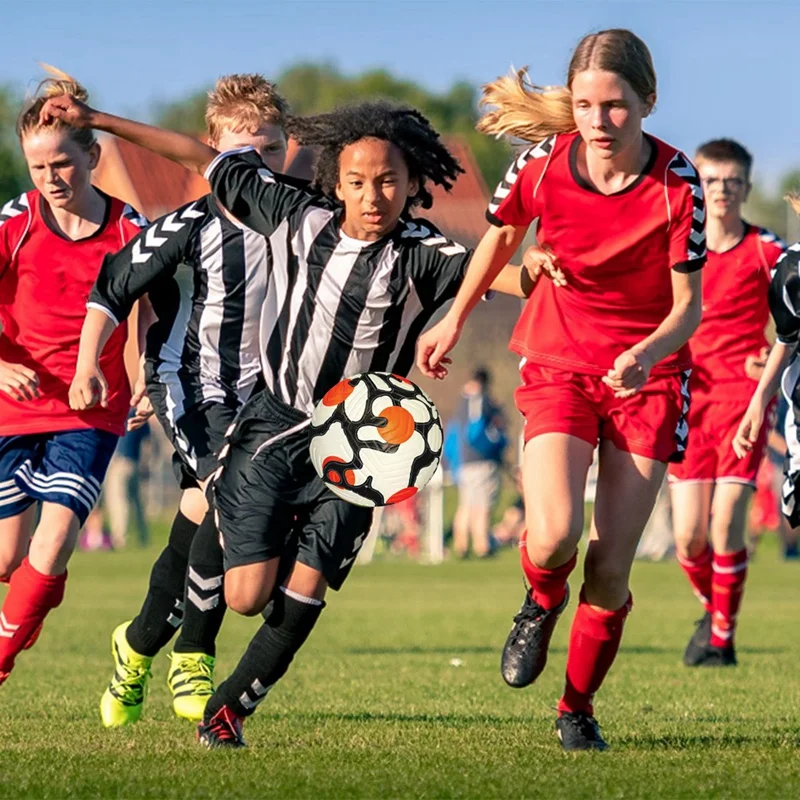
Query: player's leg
555	466
728	531
15	534
627	487
65	475
461	517
330	533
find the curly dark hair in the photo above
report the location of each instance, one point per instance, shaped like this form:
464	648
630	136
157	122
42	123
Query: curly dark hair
328	134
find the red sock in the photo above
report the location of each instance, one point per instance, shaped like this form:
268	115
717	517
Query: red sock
593	644
548	586
698	571
730	571
31	595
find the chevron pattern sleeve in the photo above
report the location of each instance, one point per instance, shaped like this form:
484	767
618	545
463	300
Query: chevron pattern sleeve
784	296
153	254
687	231
441	263
255	195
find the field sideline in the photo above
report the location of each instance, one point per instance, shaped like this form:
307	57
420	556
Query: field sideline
374	708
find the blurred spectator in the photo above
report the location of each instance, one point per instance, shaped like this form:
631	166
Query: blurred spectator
508	531
95	534
476	443
122	493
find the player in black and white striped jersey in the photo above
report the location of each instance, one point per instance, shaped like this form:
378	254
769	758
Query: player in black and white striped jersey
206	276
354	280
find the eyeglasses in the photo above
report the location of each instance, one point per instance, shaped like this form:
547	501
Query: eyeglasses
725	183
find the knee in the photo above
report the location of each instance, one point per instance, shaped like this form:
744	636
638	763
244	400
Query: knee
245	601
551	539
691	539
8	564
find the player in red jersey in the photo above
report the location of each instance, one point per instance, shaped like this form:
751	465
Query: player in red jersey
711	488
52	243
605	360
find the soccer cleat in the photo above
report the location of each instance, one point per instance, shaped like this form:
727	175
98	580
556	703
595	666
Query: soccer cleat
224	729
191	681
717	657
525	652
699	641
578	730
123	700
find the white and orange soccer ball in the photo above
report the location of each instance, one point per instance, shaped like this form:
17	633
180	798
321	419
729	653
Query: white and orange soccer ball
376	439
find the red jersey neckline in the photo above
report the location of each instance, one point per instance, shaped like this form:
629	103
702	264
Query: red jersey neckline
584	184
57	232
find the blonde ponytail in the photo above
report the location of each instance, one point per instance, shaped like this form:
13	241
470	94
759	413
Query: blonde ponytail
57	84
522	110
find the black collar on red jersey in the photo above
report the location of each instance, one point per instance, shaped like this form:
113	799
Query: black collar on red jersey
43	210
584	184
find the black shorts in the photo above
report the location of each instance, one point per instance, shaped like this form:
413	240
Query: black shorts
197	435
269	502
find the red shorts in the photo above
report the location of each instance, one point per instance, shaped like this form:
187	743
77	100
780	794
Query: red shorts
709	455
652	423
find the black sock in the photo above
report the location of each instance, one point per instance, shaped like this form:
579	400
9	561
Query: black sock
267	657
204	606
162	610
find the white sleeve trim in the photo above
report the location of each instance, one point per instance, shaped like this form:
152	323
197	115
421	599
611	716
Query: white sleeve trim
105	310
216	162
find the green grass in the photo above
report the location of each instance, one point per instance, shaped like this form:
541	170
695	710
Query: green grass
373	707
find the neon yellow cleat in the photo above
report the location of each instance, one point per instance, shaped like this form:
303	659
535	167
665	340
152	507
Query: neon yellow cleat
123	700
191	681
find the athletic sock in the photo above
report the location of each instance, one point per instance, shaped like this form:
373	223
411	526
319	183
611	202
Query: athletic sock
548	586
162	610
31	596
291	620
593	645
204	606
730	572
698	571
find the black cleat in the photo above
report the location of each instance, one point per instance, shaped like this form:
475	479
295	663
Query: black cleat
717	657
579	731
699	642
525	652
224	729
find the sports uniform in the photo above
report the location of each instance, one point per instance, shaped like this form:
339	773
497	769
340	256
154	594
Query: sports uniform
48	451
617	252
735	316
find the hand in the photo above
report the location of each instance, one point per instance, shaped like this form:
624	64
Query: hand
141	402
434	345
749	428
629	374
88	388
68	109
543	261
754	365
18	382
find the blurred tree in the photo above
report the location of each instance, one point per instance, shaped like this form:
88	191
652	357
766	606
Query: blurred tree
14	177
314	88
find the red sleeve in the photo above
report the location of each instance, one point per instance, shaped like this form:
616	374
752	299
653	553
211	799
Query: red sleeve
772	246
14	222
687	227
515	201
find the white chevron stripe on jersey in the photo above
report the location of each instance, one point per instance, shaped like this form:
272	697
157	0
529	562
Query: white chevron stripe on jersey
684	169
150	238
132	215
541	150
13	208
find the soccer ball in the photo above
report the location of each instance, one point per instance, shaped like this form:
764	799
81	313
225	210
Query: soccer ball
376	439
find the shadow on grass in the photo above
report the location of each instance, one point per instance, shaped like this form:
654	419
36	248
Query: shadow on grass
701	741
455	650
426	719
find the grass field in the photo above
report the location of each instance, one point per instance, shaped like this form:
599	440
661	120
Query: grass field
374	708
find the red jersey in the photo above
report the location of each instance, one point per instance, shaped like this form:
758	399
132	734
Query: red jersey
735	313
616	250
45	280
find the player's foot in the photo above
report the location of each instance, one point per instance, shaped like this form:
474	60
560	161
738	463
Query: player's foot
525	652
33	637
717	657
699	641
224	729
579	731
123	700
191	681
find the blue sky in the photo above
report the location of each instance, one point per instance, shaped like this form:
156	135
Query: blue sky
724	67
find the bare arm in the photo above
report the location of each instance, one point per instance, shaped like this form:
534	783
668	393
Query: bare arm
89	384
185	150
632	368
491	255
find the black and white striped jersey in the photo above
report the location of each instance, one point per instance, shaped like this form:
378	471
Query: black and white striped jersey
335	306
206	277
